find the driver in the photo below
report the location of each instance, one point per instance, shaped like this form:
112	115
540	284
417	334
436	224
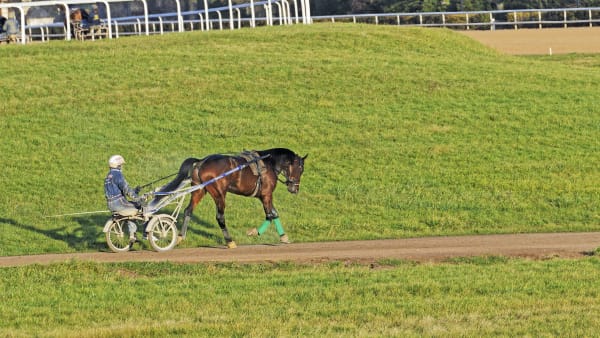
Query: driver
116	190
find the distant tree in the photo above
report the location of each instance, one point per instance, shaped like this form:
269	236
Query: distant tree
408	6
470	5
330	7
434	6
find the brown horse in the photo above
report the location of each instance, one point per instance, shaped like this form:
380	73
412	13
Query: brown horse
256	180
79	21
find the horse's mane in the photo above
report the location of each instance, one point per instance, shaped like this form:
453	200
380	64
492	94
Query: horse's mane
278	153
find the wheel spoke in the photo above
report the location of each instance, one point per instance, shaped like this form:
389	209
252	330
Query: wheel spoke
163	233
116	238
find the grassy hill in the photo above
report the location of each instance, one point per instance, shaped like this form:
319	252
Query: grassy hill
410	132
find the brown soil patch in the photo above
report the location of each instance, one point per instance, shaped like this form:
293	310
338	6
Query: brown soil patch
428	249
540	41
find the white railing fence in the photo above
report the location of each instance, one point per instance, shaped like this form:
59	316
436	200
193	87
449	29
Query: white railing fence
287	12
489	20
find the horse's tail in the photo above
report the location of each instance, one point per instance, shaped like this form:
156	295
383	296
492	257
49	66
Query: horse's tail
185	172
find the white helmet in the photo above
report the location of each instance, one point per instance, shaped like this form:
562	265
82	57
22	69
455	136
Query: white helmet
115	161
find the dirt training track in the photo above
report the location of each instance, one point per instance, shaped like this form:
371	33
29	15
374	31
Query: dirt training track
428	249
540	41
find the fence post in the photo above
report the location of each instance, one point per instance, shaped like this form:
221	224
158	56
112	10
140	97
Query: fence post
230	14
565	18
253	16
288	12
540	19
278	12
269	13
239	17
201	22
116	23
179	17
220	20
146	17
303	9
296	10
206	15
108	19
468	26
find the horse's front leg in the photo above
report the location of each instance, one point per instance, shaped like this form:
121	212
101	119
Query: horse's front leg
271	215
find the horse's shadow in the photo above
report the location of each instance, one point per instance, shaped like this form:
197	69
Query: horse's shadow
197	226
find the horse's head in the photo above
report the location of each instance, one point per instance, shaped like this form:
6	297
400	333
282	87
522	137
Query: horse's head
293	169
76	15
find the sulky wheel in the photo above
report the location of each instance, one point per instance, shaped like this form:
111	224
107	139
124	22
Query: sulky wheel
162	232
117	235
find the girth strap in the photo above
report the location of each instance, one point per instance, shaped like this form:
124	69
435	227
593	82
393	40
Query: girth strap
257	167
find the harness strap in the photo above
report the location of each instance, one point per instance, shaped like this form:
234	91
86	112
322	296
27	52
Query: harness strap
258	168
256	164
258	186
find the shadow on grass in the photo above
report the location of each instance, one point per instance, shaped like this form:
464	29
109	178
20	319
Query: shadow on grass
197	226
84	237
89	235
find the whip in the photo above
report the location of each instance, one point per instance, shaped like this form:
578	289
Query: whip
81	213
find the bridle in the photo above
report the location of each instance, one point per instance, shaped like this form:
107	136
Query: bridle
287	181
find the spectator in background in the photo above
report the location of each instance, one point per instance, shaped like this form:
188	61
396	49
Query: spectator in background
95	16
2	21
11	28
3	36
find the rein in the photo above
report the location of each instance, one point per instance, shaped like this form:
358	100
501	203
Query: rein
158	180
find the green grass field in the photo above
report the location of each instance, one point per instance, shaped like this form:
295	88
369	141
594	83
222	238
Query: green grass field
410	132
467	298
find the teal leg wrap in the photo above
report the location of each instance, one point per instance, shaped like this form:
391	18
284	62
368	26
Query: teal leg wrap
278	226
263	227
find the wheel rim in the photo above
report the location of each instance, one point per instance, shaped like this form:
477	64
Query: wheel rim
117	238
163	235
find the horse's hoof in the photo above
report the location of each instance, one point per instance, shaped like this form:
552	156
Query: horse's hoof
231	245
284	239
252	232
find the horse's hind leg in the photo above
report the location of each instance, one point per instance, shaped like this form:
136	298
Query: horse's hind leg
194	200
220	204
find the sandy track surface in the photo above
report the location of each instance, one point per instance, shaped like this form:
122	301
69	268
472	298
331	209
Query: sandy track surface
428	249
540	41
